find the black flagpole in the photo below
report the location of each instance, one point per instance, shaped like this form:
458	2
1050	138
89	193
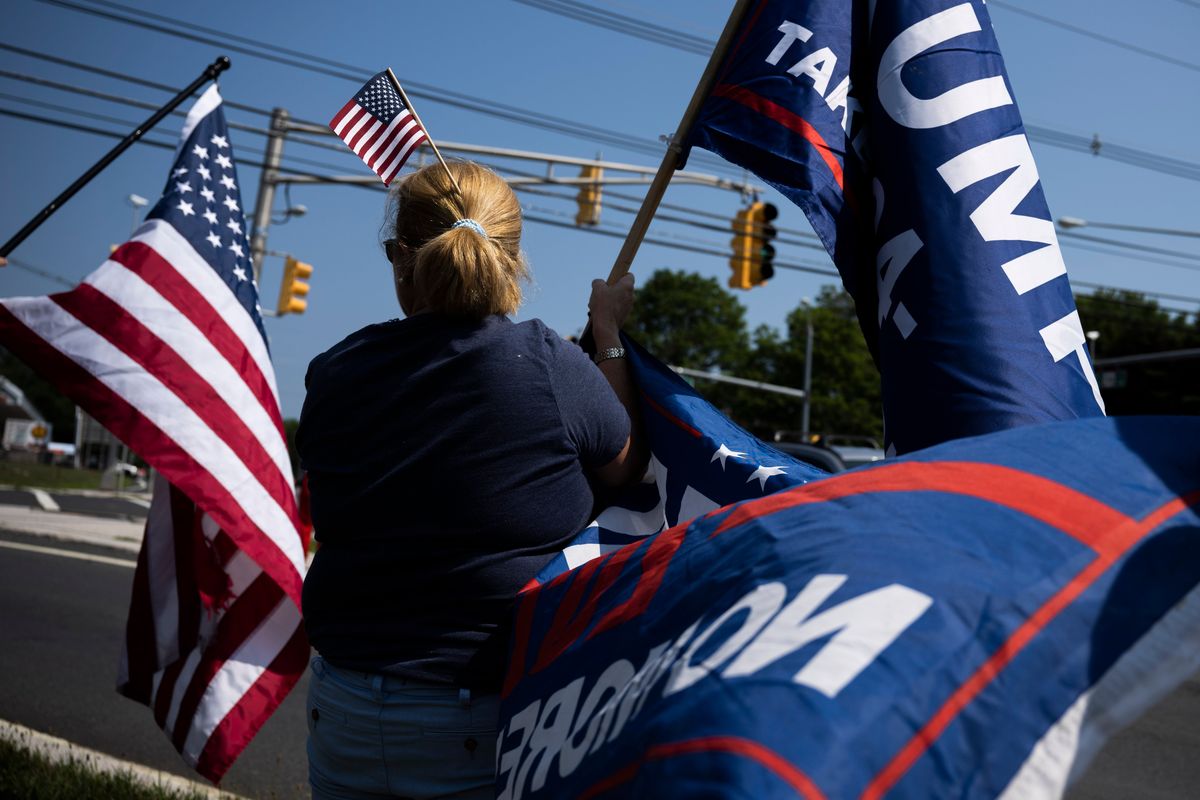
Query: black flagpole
210	73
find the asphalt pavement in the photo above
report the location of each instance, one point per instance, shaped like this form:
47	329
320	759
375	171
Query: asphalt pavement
96	503
60	640
62	620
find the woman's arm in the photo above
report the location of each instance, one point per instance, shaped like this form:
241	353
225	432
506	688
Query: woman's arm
609	306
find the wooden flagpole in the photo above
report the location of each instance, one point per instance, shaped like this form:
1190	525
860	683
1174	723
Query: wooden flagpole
670	162
413	111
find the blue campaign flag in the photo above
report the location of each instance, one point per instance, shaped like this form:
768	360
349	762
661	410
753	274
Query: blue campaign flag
893	126
970	621
700	461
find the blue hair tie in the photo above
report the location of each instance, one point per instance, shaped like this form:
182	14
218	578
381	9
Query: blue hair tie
472	224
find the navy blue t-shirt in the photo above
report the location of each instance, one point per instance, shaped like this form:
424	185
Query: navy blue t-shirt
447	461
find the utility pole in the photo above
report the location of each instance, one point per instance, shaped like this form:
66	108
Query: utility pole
808	347
267	179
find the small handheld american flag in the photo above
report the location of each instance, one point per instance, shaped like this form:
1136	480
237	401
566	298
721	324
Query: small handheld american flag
379	127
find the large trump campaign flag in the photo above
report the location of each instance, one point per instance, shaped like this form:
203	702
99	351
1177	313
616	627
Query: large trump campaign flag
164	346
894	127
972	619
969	621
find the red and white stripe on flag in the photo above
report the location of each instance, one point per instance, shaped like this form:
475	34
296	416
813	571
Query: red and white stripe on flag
212	671
162	346
377	126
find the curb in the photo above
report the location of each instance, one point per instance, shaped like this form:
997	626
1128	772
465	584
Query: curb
61	751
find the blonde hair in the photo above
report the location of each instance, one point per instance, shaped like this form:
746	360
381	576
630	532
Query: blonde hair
457	271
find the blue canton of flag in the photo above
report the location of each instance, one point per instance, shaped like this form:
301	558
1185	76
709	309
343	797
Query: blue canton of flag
893	126
378	127
202	201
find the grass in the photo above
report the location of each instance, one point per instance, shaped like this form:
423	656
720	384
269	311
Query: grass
47	476
28	776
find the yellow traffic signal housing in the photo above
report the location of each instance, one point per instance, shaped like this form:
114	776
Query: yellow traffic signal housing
589	196
762	260
743	245
294	287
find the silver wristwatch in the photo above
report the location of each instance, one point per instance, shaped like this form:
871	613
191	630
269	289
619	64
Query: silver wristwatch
607	353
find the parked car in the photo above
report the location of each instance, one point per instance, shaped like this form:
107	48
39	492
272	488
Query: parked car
820	457
830	452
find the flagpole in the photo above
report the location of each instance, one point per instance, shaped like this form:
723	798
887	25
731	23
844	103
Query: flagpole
210	73
670	162
396	83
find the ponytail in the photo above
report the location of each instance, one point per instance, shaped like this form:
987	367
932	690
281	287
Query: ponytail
458	270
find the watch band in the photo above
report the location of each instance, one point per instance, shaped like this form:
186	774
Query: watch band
607	353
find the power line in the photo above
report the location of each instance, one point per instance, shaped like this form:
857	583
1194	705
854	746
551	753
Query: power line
1162	251
1130	155
50	276
530	217
1144	159
307	61
120	76
1146	293
1133	48
1143	259
630	26
1141	251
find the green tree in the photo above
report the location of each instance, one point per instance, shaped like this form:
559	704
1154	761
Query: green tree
1131	324
692	321
688	320
846	396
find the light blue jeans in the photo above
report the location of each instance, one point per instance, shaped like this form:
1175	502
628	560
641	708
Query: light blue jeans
377	736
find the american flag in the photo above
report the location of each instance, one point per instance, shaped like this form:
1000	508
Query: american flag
377	126
164	345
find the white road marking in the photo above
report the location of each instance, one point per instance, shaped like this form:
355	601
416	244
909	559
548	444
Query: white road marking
44	500
54	551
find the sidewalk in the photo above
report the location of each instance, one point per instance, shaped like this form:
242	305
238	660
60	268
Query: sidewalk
106	532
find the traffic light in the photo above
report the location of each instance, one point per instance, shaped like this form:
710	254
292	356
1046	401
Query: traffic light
743	244
763	263
589	196
294	287
753	258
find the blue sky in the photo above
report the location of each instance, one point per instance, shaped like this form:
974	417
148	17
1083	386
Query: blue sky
511	53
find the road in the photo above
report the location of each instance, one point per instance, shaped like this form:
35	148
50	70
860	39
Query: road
92	503
64	618
63	623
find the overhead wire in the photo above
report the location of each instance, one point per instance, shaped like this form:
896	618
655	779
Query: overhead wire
621	23
1136	157
258	48
530	217
708	251
321	165
1099	37
1162	251
1039	133
50	276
